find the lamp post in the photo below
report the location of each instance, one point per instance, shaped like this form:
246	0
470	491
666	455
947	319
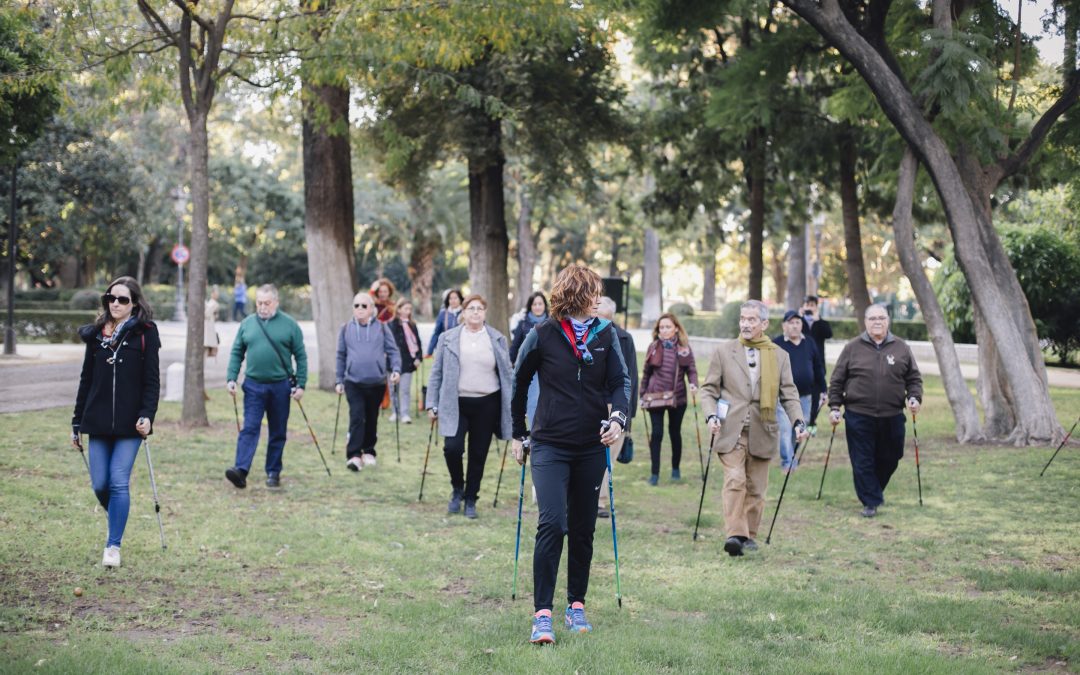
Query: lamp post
180	206
9	330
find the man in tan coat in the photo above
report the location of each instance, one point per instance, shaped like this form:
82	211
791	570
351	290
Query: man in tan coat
748	374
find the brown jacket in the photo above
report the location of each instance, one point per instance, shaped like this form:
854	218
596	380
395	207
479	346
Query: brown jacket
875	380
729	379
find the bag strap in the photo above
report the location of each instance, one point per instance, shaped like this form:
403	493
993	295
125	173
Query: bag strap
273	345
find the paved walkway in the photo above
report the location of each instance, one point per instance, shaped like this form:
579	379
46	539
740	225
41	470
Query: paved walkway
43	376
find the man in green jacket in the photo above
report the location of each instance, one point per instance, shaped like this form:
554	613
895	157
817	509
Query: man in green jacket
271	340
874	378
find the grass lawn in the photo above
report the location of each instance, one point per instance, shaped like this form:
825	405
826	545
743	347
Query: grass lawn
351	574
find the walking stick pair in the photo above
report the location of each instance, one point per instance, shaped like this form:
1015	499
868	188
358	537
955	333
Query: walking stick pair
918	468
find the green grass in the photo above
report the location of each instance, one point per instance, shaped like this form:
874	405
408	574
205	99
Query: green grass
351	574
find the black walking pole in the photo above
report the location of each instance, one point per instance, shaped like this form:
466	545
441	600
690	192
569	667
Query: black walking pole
1059	447
153	488
236	411
787	475
828	453
697	428
337	416
918	471
704	482
506	449
312	432
427	453
395	392
521	500
78	444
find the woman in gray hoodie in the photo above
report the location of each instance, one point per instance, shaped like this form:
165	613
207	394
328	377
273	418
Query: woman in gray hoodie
366	349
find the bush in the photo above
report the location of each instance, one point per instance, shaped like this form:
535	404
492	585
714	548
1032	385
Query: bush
51	325
681	309
86	298
726	325
847	328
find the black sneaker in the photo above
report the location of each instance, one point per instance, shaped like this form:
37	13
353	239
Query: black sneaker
470	510
237	477
869	511
455	503
273	480
733	546
749	545
602	512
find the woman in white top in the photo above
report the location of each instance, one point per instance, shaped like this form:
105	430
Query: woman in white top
469	391
210	312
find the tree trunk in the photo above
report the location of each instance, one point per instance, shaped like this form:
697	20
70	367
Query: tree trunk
194	407
708	282
756	146
526	248
796	277
974	238
853	258
965	413
651	304
490	245
425	245
328	218
778	269
613	263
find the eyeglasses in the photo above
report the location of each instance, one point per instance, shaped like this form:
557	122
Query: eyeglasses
475	308
109	299
360	305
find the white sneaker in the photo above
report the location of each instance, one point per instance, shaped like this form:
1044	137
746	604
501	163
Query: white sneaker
111	557
405	419
393	416
354	464
369	460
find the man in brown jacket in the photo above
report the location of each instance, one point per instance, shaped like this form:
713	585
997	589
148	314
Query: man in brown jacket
748	375
874	374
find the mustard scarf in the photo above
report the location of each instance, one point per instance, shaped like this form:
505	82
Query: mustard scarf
770	375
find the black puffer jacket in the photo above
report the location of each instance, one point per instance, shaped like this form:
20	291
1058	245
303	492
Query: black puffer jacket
114	395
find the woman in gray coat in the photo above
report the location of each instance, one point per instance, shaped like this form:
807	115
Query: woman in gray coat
469	391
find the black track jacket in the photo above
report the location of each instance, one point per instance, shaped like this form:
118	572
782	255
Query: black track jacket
114	395
573	396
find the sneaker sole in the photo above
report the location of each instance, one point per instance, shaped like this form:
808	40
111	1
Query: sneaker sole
543	640
733	550
353	468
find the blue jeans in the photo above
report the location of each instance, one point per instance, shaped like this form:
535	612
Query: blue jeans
787	431
271	399
111	459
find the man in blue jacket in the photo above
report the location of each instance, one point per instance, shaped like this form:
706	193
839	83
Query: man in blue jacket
808	371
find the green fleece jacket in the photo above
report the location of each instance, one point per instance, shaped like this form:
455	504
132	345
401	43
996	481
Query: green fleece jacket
262	364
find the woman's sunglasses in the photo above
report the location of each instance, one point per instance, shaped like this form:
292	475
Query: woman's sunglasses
360	305
109	299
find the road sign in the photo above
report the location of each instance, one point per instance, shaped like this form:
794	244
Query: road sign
180	254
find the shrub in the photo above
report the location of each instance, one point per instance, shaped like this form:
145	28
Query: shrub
51	325
681	309
86	298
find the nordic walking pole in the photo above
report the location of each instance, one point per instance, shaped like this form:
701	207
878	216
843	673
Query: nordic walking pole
1059	447
337	416
787	475
697	428
918	471
312	432
614	532
521	500
395	392
704	482
423	475
828	453
78	444
502	466
236	411
153	489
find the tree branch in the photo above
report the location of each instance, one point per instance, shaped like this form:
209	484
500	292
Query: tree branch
189	11
156	22
1010	164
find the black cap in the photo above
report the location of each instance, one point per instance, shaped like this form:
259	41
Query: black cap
789	315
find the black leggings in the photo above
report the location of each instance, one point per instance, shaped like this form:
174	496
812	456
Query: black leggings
675	416
567	481
364	400
478	417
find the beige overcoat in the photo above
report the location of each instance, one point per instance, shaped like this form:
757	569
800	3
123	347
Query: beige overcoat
729	379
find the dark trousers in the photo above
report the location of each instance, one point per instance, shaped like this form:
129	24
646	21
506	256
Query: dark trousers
478	417
238	312
270	399
567	484
875	446
675	416
364	400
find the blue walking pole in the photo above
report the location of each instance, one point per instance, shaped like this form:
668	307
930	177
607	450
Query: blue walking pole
521	499
614	534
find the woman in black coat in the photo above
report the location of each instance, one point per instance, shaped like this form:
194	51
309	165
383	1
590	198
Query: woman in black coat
407	337
117	399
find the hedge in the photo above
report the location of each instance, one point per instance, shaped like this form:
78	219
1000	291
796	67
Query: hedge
51	325
725	324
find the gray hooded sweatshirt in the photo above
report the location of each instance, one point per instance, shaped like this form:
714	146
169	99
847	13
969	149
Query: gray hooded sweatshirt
362	353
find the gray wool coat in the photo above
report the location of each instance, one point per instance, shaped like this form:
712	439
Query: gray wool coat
443	383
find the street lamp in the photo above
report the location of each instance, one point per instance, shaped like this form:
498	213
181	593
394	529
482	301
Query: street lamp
180	200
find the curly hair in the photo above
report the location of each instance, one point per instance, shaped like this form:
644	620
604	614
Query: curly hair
379	283
680	332
575	292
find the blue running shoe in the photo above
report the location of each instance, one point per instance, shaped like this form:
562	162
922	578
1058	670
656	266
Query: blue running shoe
542	632
575	618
